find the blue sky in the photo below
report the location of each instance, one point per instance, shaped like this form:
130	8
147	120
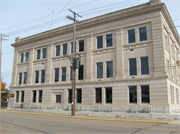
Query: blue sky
22	18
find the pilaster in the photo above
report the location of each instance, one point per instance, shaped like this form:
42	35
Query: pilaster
14	71
30	69
103	96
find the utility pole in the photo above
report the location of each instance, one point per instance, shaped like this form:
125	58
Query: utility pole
75	60
1	39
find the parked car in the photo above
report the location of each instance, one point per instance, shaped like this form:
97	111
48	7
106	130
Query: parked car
4	102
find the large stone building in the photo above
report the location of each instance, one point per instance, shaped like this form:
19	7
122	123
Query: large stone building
128	58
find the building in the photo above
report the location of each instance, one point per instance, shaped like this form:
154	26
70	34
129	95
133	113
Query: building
129	57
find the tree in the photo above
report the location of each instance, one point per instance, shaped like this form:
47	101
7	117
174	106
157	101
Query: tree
3	88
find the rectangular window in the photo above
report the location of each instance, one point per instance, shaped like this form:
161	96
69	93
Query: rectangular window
145	97
63	74
40	96
56	74
177	96
79	95
172	50
109	95
72	47
27	56
144	65
34	96
132	67
17	96
58	98
81	45
58	50
69	96
71	71
37	77
132	94
166	40
25	77
99	42
172	94
20	78
100	70
80	73
64	49
131	36
98	95
22	57
109	69
109	42
38	54
168	67
42	76
143	34
44	53
22	96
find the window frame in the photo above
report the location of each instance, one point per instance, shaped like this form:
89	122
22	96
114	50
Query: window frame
109	73
25	77
43	76
142	100
144	70
80	46
44	53
111	40
63	75
56	75
142	32
37	76
38	54
110	101
134	72
99	74
130	32
99	45
100	96
130	94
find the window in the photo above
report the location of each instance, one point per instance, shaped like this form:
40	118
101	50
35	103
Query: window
145	94
132	67
172	94
58	98
81	45
167	66
44	53
177	96
69	96
27	56
20	78
79	95
22	96
71	75
100	70
109	42
38	54
72	47
109	69
131	36
144	65
42	76
57	50
37	77
34	96
40	96
132	94
109	95
98	95
166	40
172	50
80	74
99	42
17	96
25	77
63	74
56	74
22	57
143	34
64	49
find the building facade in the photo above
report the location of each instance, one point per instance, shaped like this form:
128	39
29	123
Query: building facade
128	58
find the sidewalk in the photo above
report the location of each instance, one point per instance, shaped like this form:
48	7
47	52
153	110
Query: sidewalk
121	119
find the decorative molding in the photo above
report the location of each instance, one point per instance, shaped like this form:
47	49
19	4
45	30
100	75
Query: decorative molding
104	50
23	64
137	45
40	61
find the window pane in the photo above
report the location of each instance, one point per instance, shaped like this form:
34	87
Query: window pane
144	65
132	67
27	56
69	96
79	95
37	77
34	96
17	96
145	94
38	54
109	40
132	94
71	75
58	50
22	57
22	96
42	76
166	41
20	78
63	73
109	69
98	95
100	70
109	95
56	74
25	77
58	98
40	96
44	53
72	47
64	49
143	34
80	75
131	35
81	46
99	42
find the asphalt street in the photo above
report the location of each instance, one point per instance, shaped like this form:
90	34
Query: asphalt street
26	123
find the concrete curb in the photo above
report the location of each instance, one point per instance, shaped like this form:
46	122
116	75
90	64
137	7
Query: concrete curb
89	118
